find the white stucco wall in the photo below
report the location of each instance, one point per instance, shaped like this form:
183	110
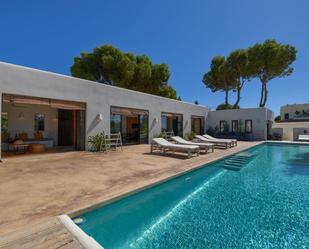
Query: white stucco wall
259	117
98	97
291	130
291	109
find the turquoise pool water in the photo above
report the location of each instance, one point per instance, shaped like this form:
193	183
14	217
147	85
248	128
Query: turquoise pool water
264	205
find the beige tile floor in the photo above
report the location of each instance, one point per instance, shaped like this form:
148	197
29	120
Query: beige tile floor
36	188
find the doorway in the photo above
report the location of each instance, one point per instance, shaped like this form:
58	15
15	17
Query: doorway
197	125
71	126
131	123
171	122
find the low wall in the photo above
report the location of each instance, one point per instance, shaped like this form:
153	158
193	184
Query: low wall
291	130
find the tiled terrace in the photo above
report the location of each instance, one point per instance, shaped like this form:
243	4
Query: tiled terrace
36	188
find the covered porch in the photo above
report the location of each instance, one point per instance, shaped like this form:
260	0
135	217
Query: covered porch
39	125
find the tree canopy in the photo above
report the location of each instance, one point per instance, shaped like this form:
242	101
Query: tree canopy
220	77
264	61
107	64
271	60
239	63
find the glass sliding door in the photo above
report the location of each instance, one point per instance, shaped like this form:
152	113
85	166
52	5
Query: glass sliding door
143	129
164	126
171	122
131	123
115	123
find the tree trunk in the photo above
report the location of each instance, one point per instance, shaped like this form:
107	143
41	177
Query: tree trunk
226	96
262	95
238	98
265	95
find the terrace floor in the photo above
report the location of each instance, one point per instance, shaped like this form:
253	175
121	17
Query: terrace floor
36	188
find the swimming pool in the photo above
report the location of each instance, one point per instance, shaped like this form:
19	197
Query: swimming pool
263	205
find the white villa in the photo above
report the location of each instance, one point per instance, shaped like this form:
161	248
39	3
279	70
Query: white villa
58	110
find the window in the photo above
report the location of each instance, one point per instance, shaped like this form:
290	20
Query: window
286	116
39	122
172	123
222	126
4	122
248	126
235	127
163	123
115	123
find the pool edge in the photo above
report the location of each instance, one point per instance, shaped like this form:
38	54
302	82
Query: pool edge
100	204
84	239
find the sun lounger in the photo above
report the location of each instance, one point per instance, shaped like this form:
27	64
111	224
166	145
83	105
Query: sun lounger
304	138
218	143
164	146
203	146
234	141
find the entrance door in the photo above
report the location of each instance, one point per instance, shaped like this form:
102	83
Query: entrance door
132	130
175	126
66	127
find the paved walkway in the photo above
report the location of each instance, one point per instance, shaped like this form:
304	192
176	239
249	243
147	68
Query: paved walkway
50	234
36	188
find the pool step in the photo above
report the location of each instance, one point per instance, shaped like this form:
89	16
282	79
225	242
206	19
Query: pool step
235	168
238	161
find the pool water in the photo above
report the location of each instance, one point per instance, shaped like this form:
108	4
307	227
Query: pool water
263	205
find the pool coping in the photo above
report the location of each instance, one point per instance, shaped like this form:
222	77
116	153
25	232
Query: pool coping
287	142
83	238
105	202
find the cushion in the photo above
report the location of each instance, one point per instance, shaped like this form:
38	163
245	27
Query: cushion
38	135
18	142
23	136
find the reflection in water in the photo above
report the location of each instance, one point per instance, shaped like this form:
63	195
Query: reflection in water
298	164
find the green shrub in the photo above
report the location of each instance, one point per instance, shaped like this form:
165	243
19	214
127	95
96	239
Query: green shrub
224	107
226	127
278	118
212	131
191	135
161	134
97	141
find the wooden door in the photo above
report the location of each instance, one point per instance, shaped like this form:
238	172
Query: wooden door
66	127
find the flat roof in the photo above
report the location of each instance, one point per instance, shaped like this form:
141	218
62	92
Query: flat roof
94	82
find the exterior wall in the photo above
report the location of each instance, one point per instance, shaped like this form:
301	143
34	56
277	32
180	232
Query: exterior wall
291	109
259	117
300	131
16	126
291	130
98	97
277	130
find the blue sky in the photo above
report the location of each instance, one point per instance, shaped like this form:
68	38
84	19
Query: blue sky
182	33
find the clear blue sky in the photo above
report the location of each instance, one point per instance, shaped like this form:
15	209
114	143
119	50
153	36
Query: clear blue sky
185	34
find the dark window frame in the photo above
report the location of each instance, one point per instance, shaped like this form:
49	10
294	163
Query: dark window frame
251	126
39	122
179	118
286	116
202	124
237	126
221	123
